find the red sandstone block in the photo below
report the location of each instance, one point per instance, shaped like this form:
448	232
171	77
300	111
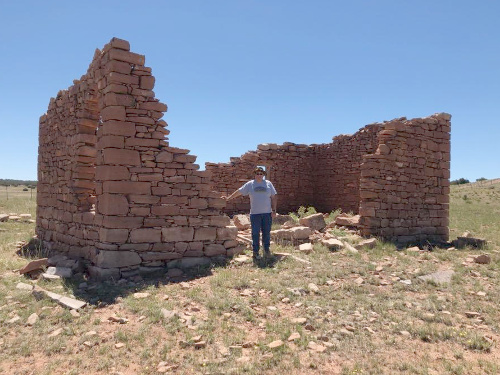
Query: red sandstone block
111	172
121	156
153	106
161	190
227	233
141	120
112	204
112	98
145	93
145	235
214	249
165	210
147	82
108	141
198	203
86	184
113	235
216	203
140	211
189	211
220	221
150	177
124	79
197	222
119	43
142	142
130	57
117	66
183	158
205	234
176	234
113	113
122	222
143	199
181	201
126	187
117	128
115	87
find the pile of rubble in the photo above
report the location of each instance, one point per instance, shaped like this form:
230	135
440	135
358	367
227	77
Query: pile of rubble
310	230
313	229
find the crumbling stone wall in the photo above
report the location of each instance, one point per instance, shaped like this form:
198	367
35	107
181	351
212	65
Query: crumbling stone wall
288	167
111	189
337	169
394	174
404	185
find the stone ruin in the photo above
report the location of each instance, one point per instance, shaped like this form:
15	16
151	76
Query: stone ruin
395	175
112	190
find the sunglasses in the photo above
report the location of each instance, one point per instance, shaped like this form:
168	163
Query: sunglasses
259	173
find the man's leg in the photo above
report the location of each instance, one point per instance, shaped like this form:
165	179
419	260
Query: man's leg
256	223
267	222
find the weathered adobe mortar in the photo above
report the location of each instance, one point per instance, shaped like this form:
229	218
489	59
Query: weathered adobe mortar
111	190
394	174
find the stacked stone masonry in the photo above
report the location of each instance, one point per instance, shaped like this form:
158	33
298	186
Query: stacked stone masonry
111	190
395	175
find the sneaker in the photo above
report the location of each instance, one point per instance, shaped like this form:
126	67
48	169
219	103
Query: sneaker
267	254
256	258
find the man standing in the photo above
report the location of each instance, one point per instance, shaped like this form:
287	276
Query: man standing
263	203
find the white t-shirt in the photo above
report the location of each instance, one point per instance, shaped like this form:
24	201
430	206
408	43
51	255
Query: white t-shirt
260	195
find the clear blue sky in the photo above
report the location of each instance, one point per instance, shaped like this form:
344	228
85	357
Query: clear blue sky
238	73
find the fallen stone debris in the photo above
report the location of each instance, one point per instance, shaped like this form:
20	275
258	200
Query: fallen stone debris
22	218
67	302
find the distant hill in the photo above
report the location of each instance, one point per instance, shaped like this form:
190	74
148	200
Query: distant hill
9	182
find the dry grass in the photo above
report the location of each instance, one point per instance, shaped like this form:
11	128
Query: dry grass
367	320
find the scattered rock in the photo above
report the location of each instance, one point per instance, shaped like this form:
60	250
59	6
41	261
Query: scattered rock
242	222
315	221
200	344
313	288
462	242
55	333
281	219
63	272
296	233
439	276
118	319
415	249
74	313
472	314
306	248
367	244
32	319
14	319
168	314
49	277
275	344
483	259
332	244
294	336
298	320
347	221
164	367
350	248
141	295
4	217
316	347
67	302
34	265
119	345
